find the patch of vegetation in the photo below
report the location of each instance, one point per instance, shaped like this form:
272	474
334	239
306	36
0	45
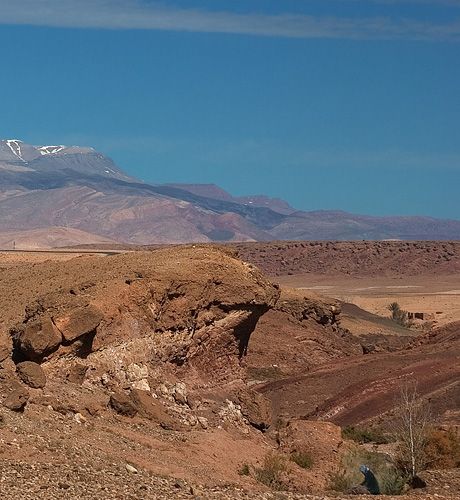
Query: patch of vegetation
393	482
399	316
390	479
244	470
411	426
269	373
360	435
342	481
442	449
272	472
303	459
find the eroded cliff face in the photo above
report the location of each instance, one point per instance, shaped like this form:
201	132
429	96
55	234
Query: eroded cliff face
173	323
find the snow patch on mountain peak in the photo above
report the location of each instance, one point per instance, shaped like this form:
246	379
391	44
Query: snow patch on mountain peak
49	150
15	147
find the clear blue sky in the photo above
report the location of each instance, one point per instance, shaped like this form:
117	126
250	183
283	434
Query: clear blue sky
329	104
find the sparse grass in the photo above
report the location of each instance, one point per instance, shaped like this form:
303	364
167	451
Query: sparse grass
303	459
269	373
244	470
271	473
360	435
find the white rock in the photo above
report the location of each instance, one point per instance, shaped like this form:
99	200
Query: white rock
142	385
130	468
79	418
136	372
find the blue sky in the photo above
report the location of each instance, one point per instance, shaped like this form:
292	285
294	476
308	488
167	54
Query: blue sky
328	104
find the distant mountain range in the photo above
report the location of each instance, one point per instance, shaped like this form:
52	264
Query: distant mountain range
79	188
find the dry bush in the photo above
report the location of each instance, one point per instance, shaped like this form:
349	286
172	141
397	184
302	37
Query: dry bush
244	470
271	474
361	435
303	459
443	449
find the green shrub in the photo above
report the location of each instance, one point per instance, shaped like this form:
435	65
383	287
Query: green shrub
392	482
399	316
303	459
365	435
349	475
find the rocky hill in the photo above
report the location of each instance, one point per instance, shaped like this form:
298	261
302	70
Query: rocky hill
367	258
141	358
79	188
181	373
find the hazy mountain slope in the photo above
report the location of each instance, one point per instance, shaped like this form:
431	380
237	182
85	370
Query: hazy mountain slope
212	191
77	187
16	156
50	237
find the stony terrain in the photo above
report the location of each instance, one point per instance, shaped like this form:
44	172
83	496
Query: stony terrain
164	373
366	258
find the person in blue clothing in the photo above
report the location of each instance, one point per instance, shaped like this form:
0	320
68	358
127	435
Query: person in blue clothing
370	481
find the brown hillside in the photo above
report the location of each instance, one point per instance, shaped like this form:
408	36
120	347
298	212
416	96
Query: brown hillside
148	360
366	258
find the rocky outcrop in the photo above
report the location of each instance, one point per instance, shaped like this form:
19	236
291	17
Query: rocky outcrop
256	408
80	321
302	306
39	338
131	324
301	331
17	398
31	374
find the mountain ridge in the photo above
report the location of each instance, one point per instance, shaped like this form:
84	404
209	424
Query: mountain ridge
80	188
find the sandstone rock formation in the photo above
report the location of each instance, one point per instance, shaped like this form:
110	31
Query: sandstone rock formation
39	338
143	350
256	408
81	321
17	398
299	333
131	322
31	374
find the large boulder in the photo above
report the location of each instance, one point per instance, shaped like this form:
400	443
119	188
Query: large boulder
256	408
123	404
79	322
17	398
39	339
31	374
